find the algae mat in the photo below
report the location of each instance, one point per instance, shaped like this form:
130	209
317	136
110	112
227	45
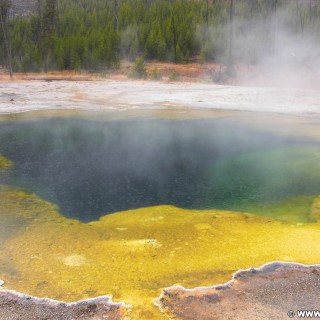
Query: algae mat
5	163
133	255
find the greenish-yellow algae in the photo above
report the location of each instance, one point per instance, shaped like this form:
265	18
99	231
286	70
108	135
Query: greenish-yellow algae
133	255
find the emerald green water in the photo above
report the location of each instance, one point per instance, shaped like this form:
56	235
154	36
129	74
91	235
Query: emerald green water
281	182
90	168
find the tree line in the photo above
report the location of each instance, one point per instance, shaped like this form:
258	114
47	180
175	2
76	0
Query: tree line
95	35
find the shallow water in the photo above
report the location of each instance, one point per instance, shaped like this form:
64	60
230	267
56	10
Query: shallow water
90	168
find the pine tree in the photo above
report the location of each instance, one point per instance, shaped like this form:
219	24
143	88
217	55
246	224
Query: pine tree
82	32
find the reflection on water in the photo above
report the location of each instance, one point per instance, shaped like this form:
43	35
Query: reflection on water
90	168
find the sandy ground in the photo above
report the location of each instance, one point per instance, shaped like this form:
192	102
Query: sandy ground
112	95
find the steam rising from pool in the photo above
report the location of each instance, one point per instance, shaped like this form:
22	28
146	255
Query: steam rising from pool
90	168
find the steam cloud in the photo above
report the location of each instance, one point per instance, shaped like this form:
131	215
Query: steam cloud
280	48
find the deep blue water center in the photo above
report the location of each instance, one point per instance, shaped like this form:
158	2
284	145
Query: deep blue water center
90	168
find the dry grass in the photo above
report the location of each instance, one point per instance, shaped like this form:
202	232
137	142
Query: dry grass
191	72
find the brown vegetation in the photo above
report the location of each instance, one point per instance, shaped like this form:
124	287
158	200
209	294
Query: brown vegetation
190	72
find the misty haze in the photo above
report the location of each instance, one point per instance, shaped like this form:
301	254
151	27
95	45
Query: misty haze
90	168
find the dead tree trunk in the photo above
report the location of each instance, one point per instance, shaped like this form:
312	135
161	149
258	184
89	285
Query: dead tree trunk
39	24
116	21
48	26
174	39
231	15
275	6
4	8
207	14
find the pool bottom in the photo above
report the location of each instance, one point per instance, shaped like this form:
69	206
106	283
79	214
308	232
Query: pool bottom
133	255
4	163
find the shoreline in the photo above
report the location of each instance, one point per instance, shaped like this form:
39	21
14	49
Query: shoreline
249	289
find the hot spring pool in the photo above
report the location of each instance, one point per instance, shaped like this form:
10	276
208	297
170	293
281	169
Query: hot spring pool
90	168
126	205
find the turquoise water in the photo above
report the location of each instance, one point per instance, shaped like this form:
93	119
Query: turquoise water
90	168
268	182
